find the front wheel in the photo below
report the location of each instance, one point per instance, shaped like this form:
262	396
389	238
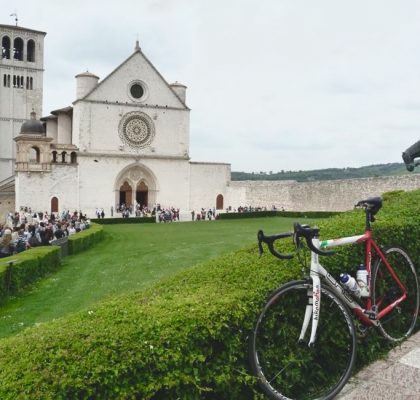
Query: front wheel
400	321
288	369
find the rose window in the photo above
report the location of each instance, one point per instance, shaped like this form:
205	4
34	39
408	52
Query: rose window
136	129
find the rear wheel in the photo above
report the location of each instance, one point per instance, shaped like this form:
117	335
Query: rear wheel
401	320
287	369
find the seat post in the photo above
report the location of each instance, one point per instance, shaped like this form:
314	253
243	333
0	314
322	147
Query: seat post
368	219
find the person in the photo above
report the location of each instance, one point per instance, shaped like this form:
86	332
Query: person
59	233
6	244
71	229
20	243
102	213
46	234
34	239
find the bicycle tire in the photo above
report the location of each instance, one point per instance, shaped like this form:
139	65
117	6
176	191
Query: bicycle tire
401	321
287	369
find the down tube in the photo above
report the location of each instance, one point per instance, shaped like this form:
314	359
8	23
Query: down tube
338	289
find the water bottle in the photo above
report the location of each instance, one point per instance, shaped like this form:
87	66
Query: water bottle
350	283
362	280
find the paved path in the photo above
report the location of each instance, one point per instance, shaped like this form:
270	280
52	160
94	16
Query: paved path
396	377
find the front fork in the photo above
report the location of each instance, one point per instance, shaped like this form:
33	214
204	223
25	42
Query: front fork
313	305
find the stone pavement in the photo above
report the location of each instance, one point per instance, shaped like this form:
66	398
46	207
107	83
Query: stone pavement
397	377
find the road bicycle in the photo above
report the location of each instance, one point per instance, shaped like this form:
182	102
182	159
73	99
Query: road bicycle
293	361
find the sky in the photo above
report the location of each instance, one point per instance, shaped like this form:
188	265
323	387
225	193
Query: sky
272	84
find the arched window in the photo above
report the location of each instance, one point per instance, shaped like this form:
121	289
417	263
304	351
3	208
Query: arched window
63	157
30	54
21	82
8	80
27	82
18	49
5	47
54	156
4	80
31	83
34	155
14	80
219	202
73	157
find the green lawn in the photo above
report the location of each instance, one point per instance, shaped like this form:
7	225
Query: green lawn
130	258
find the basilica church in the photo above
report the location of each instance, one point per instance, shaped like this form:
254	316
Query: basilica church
124	140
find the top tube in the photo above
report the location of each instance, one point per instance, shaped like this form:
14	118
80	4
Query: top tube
344	240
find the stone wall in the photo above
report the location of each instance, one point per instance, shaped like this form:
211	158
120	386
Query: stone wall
337	195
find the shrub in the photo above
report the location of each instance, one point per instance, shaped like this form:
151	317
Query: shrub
185	337
85	239
136	220
21	269
291	214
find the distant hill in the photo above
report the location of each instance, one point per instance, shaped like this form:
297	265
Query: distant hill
323	174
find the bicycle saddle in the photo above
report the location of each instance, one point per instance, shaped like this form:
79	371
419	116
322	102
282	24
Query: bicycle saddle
372	204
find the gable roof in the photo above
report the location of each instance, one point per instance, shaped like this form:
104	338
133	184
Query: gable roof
136	51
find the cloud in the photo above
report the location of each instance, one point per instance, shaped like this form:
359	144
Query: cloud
272	85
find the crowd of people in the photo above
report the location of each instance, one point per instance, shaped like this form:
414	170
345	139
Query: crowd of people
242	209
25	229
164	214
203	214
138	210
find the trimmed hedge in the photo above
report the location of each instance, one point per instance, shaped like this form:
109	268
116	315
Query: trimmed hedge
119	220
85	239
185	337
20	270
291	214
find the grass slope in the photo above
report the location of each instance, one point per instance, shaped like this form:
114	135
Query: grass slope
131	257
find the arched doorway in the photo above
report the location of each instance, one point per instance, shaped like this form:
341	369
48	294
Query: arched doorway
219	202
136	183
142	192
126	194
54	205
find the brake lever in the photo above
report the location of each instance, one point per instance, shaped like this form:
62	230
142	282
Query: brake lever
269	240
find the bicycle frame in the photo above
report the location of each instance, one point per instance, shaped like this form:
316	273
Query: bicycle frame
368	316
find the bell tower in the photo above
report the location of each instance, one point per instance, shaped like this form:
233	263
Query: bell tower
21	87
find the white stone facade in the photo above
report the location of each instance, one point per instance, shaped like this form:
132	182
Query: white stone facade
125	140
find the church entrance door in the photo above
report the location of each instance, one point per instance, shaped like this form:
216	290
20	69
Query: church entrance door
126	194
54	205
219	202
142	192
